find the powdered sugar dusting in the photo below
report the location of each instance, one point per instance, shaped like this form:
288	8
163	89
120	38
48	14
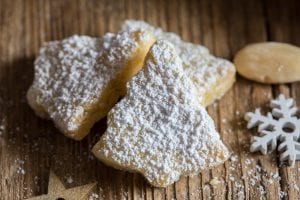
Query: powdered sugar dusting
159	129
203	68
71	74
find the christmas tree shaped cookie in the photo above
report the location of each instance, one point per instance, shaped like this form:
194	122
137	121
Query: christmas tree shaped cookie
159	129
79	79
212	76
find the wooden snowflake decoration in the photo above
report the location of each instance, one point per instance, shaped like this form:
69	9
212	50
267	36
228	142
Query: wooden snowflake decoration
281	126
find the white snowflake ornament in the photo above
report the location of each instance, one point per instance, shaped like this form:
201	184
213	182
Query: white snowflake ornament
281	126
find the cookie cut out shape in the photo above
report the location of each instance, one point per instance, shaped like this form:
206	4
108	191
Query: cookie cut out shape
159	128
281	126
79	79
212	76
56	191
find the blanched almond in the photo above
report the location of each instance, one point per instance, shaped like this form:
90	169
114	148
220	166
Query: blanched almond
269	62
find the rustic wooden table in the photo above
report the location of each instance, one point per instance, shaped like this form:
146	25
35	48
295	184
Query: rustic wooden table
30	146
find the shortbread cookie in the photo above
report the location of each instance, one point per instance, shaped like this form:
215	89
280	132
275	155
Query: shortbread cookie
159	128
79	79
269	62
212	76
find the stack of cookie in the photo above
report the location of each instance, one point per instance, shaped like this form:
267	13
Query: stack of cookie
160	127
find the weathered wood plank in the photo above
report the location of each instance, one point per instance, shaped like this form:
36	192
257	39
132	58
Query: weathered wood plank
264	166
295	91
280	30
234	108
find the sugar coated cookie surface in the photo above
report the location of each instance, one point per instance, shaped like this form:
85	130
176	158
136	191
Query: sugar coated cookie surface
159	129
212	76
78	79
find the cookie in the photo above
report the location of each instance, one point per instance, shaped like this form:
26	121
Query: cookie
79	79
212	76
160	129
269	62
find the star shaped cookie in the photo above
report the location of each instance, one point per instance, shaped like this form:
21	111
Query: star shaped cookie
159	129
57	191
79	79
212	76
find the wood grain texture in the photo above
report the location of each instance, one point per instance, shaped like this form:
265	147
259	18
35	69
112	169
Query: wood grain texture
31	146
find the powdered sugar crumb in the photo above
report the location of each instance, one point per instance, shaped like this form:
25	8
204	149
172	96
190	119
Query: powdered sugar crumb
20	166
282	194
93	196
69	179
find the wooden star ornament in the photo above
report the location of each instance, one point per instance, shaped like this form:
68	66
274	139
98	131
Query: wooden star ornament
57	191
